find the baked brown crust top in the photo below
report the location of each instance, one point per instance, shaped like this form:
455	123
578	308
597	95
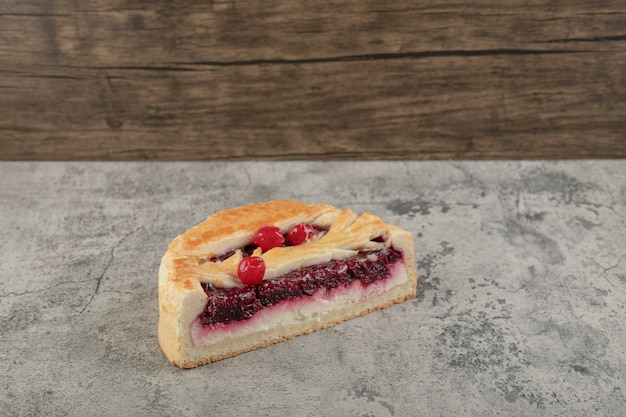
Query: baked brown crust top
191	253
206	238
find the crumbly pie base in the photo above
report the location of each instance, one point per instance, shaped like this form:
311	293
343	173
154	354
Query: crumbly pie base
187	265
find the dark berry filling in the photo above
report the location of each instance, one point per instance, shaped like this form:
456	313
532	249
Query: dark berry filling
232	305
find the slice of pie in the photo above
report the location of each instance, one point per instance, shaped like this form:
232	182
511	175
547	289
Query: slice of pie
263	273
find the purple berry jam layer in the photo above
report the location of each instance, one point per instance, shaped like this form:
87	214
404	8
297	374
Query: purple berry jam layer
226	306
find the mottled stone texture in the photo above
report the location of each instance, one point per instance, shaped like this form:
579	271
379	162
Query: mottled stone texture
520	308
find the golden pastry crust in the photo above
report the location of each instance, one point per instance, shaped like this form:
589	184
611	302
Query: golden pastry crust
187	264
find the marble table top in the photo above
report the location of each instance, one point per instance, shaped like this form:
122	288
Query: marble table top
521	305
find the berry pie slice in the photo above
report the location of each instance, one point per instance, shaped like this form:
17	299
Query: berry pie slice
263	273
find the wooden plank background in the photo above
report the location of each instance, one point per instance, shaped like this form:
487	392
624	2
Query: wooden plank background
345	79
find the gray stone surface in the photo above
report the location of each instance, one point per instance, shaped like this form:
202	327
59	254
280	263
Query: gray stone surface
520	308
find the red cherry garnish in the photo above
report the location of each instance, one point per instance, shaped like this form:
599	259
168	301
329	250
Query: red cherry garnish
268	237
300	233
251	270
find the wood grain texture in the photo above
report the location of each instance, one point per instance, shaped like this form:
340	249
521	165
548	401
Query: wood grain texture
171	80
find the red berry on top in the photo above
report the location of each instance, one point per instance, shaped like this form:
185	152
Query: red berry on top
268	237
300	233
251	270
